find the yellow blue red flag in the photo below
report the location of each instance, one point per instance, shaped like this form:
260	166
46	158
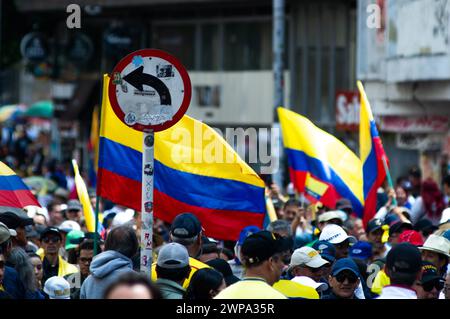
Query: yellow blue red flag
371	154
320	165
195	171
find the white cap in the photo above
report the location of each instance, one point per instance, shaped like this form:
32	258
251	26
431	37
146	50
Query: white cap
445	216
335	234
36	210
57	288
438	244
69	225
121	219
307	256
327	216
306	281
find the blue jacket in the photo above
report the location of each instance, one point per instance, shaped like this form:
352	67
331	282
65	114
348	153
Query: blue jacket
12	284
105	268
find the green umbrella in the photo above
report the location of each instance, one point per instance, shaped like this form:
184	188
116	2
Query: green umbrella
40	109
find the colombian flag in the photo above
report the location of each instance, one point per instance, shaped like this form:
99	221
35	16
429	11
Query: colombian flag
13	191
195	171
371	153
320	165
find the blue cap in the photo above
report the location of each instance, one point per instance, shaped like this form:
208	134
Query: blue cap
344	264
326	250
247	231
391	219
361	250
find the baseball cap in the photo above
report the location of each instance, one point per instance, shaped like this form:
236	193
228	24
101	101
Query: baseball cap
327	216
69	225
173	256
404	258
344	204
223	267
361	250
6	233
121	219
73	239
446	234
57	288
335	234
411	236
260	246
14	217
51	230
438	244
307	256
306	281
373	225
74	204
326	250
429	272
186	225
425	225
445	216
344	264
247	231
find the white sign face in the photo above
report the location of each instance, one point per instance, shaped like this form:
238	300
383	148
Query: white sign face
149	89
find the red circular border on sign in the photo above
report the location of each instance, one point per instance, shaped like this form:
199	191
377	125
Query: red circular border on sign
184	76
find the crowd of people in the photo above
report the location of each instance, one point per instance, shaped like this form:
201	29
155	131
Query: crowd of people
310	252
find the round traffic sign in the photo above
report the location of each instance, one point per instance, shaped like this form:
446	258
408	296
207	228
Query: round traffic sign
149	90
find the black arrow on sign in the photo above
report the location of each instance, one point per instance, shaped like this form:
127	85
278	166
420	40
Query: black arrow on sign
138	78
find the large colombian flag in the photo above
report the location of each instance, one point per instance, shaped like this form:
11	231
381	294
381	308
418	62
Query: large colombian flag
221	189
371	154
320	165
13	191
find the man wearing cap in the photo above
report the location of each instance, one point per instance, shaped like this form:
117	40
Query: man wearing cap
10	284
331	217
374	231
53	264
307	262
186	230
17	219
430	283
403	267
343	280
236	264
55	213
361	250
172	269
436	250
57	288
74	210
261	255
337	236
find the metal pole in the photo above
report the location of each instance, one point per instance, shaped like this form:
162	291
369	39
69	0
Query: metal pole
96	225
388	175
278	69
147	202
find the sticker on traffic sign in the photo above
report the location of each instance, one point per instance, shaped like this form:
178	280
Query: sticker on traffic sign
150	90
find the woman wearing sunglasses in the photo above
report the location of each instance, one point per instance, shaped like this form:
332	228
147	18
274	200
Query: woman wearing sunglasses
343	280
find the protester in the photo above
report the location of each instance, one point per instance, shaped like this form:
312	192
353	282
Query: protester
132	285
16	219
430	203
55	212
430	283
38	271
172	269
337	236
120	246
361	250
236	264
307	262
53	263
344	280
261	255
403	267
57	288
374	231
224	268
206	283
331	217
436	250
327	252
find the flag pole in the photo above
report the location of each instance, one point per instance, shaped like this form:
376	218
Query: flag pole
388	175
96	225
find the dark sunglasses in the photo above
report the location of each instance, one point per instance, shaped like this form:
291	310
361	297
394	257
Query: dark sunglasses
350	277
85	260
428	286
52	239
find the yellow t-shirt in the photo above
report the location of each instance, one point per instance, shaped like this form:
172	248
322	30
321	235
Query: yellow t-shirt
250	288
195	265
381	280
294	290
